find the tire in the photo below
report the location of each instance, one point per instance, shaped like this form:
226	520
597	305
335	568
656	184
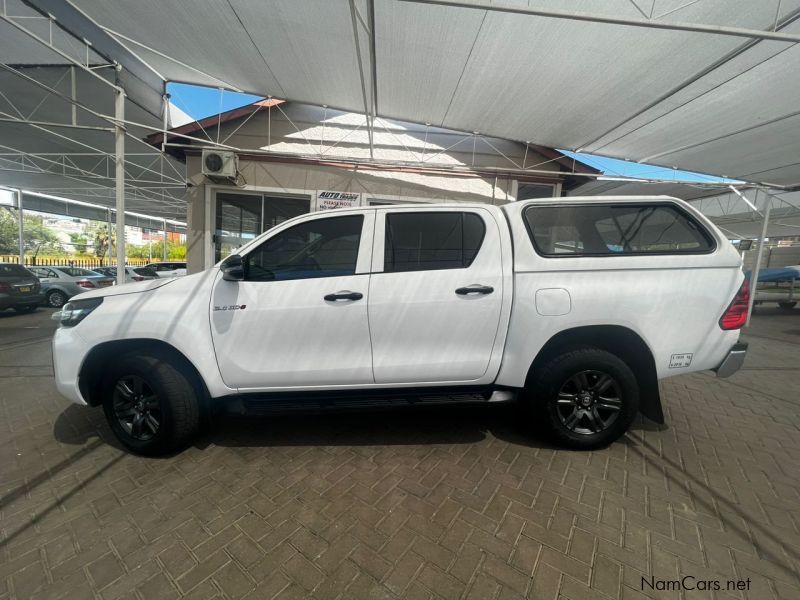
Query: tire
787	305
584	398
56	298
23	310
147	388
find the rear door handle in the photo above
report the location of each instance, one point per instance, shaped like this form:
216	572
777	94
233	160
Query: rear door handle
474	289
344	295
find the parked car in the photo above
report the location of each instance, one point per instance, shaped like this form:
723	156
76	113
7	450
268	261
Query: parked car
131	273
19	288
168	269
573	307
59	284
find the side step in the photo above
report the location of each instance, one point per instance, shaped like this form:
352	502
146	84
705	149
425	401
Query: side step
304	402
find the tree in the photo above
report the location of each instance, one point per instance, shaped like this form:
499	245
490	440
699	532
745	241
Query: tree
174	251
101	241
79	242
39	239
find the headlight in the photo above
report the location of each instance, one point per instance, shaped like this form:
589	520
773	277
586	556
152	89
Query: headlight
76	311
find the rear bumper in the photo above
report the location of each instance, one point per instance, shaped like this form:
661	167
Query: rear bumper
733	361
9	300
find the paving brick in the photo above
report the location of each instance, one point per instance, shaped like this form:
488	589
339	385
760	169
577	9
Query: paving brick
105	570
358	506
233	581
441	583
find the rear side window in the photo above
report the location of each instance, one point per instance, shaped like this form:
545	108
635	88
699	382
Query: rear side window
146	271
619	229
14	271
77	272
431	240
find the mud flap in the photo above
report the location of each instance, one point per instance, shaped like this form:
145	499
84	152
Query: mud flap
650	402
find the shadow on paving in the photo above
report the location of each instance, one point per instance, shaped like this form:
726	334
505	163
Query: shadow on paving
455	424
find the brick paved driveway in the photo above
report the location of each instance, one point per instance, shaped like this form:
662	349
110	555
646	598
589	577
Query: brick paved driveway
445	504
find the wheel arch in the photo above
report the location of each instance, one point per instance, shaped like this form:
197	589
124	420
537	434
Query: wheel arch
620	341
90	376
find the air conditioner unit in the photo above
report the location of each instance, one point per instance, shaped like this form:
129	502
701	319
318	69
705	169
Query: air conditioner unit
220	165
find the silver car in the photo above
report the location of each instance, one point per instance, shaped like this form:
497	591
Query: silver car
131	273
59	284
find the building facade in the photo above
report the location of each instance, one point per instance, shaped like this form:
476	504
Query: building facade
295	158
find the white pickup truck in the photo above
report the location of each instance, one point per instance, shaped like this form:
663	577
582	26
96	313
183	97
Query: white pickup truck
573	307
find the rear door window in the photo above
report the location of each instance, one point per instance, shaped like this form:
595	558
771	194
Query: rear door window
428	241
618	229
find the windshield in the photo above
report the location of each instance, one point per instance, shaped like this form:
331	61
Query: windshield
76	272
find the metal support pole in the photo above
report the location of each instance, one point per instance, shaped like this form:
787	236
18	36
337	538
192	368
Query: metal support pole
109	250
757	266
20	228
164	249
119	162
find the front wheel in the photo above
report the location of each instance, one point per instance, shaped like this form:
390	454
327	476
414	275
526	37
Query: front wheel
585	397
151	404
787	305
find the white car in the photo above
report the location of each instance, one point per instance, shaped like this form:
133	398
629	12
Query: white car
131	273
168	269
574	307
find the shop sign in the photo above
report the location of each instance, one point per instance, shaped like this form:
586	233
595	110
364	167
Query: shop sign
327	200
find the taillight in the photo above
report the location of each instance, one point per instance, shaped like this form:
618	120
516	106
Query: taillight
736	315
85	283
4	287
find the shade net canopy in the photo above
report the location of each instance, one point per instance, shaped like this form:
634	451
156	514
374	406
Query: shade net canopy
706	85
713	103
56	137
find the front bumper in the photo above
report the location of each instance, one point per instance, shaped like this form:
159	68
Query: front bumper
69	351
733	361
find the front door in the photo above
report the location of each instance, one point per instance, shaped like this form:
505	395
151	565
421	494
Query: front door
299	319
435	308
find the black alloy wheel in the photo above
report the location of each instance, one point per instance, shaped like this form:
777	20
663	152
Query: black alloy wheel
589	402
584	397
136	407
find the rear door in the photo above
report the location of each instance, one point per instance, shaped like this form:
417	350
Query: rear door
436	295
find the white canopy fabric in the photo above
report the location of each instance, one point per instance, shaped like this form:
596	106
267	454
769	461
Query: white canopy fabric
704	85
709	102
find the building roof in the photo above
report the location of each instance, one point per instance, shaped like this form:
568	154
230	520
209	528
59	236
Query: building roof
198	129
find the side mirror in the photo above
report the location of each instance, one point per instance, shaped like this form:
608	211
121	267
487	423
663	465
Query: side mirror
233	268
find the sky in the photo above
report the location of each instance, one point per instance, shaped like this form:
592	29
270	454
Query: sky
200	102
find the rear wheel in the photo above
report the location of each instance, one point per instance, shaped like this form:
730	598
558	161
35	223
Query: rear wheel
787	305
585	397
151	404
56	298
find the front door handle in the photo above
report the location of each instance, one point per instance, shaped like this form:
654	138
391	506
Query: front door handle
344	295
474	289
